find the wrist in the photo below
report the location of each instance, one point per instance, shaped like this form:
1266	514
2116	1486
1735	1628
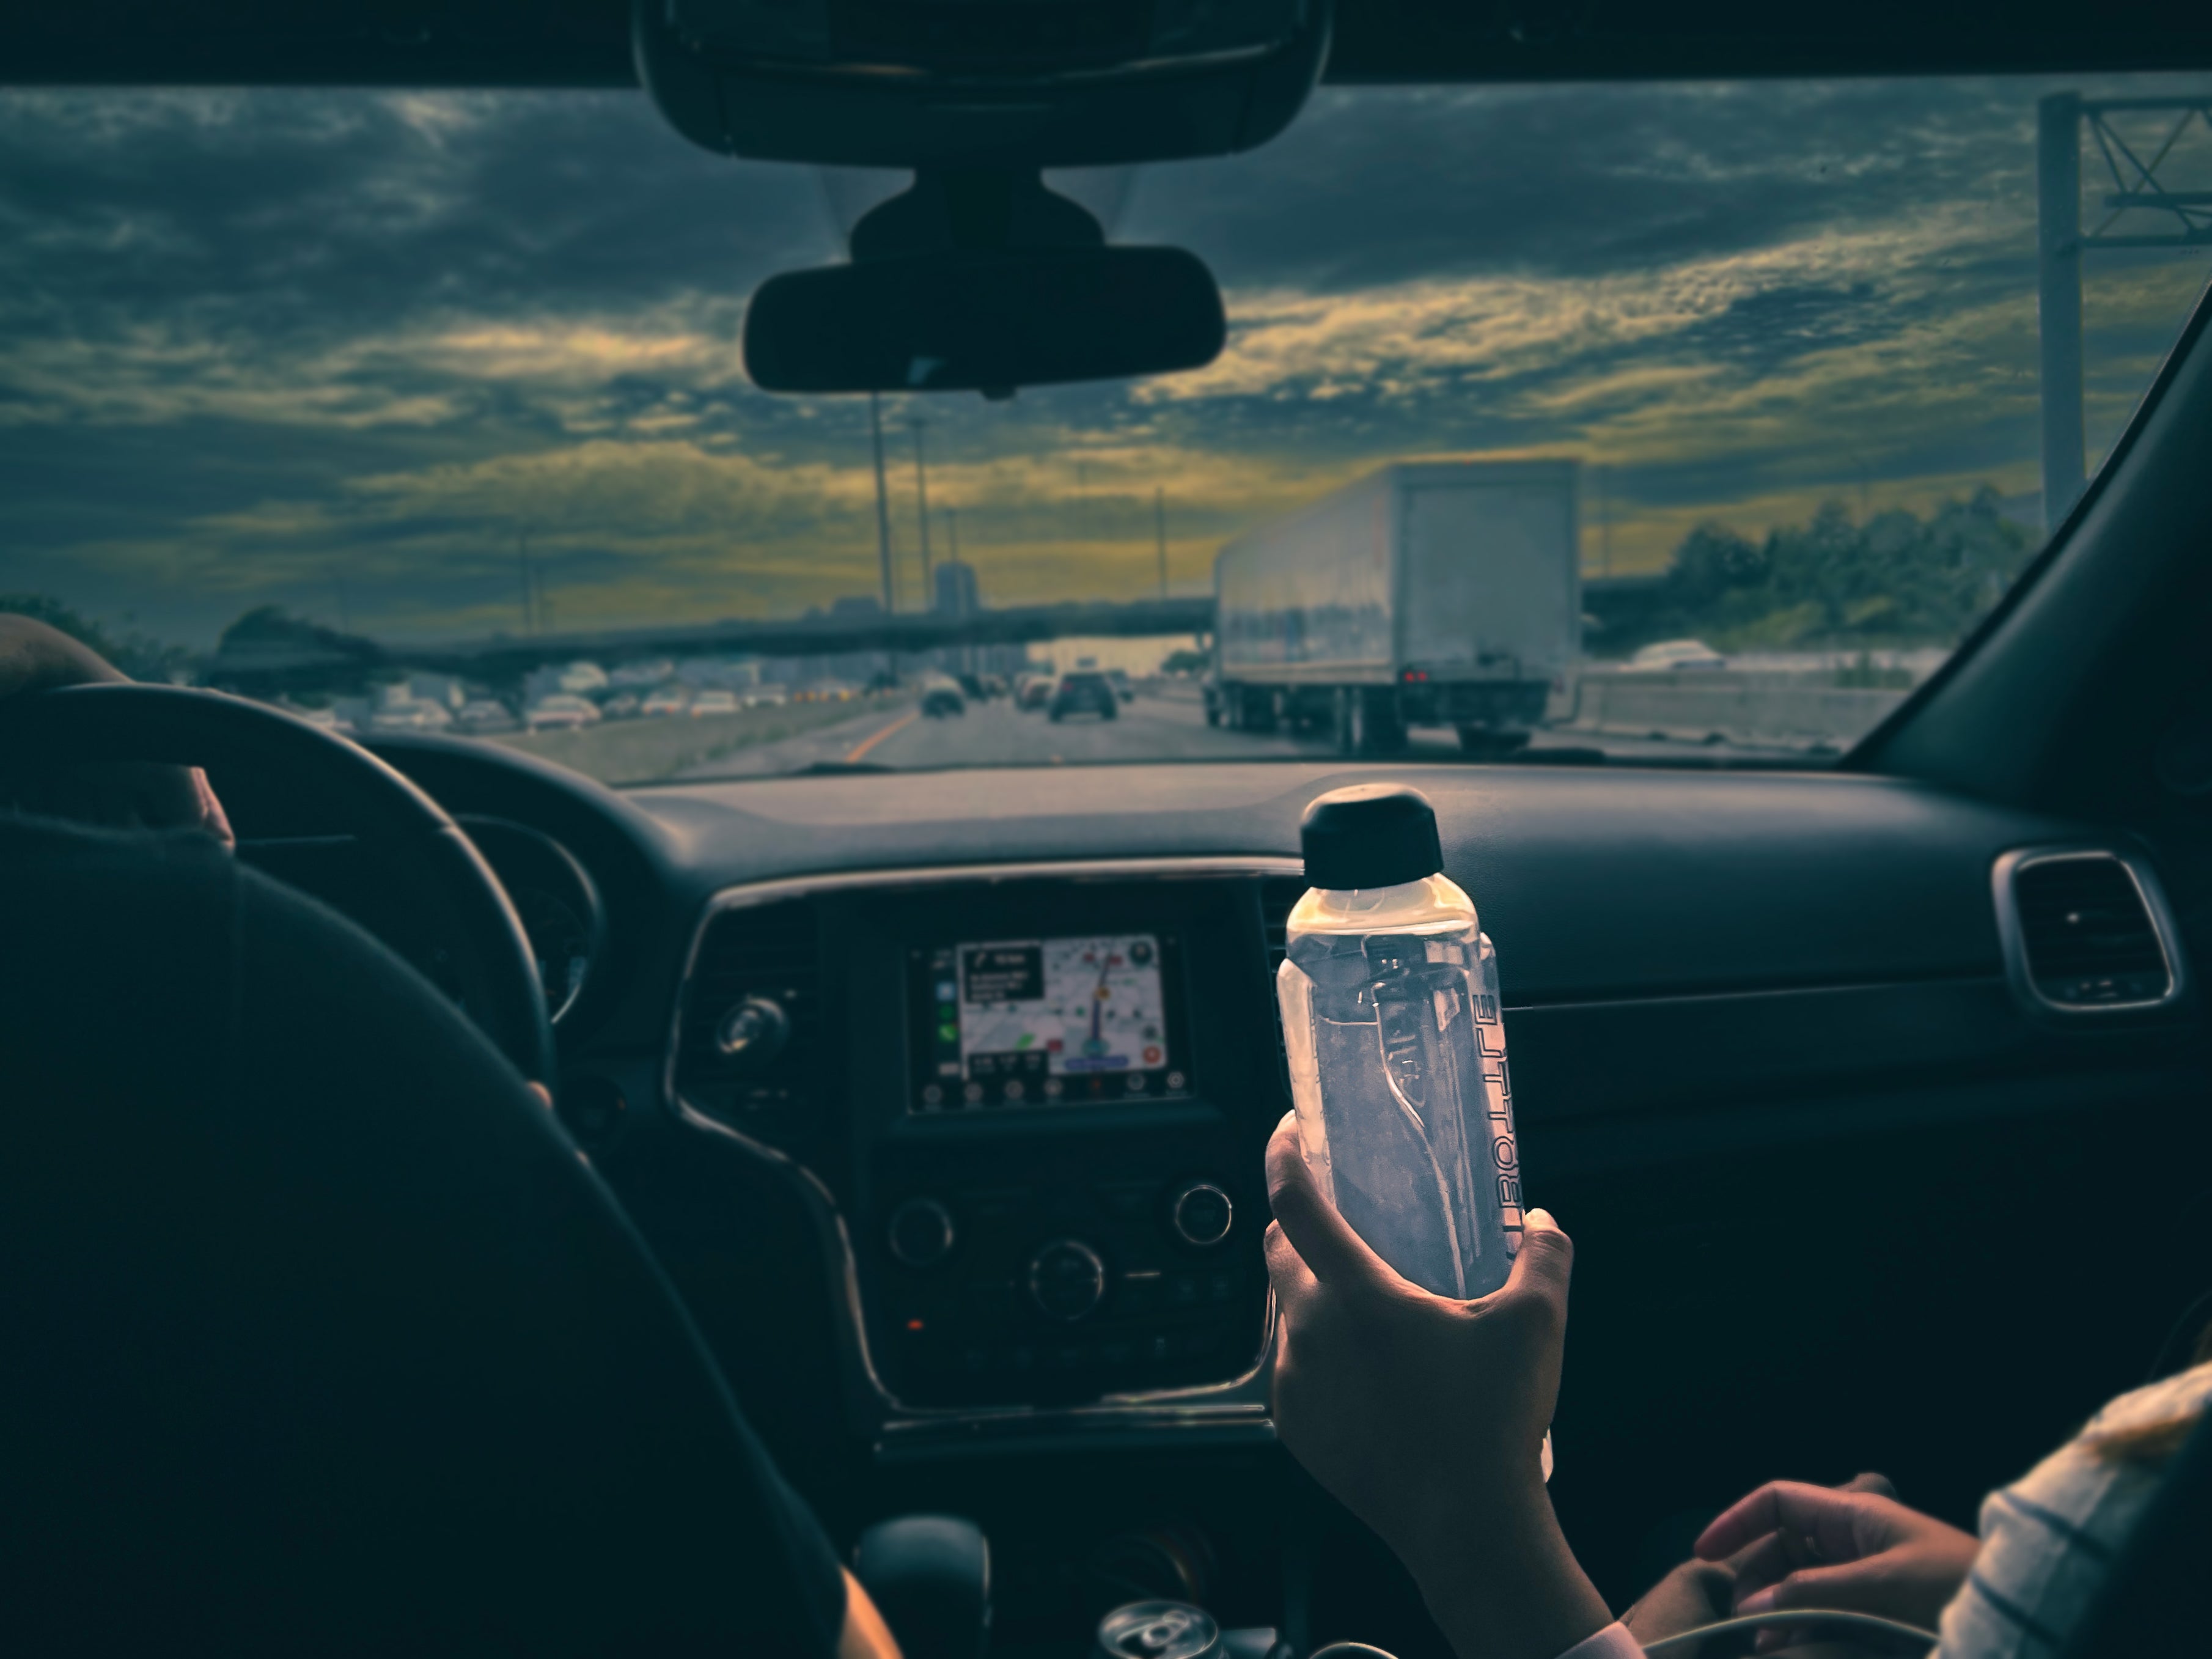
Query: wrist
1500	1579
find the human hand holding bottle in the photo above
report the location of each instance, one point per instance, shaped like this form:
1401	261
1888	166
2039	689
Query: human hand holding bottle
1425	1416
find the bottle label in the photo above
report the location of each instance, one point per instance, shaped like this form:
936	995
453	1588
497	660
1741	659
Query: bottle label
1498	1093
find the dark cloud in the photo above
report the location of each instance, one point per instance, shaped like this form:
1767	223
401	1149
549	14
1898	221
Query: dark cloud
252	343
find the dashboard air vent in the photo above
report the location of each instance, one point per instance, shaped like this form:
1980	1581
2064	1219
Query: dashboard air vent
2086	932
753	953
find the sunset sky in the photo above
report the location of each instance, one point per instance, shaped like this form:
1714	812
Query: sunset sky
341	349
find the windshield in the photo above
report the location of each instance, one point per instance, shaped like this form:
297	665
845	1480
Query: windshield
1650	422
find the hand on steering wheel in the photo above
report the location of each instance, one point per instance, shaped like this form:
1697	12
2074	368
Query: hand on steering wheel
120	794
147	741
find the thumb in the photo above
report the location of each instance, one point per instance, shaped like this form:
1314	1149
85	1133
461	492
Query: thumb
1544	1264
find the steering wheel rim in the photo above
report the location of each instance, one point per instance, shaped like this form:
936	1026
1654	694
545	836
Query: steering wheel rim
425	850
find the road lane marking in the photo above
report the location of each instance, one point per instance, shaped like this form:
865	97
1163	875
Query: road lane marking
861	748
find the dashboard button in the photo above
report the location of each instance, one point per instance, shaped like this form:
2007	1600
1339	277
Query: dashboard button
1201	1214
1067	1278
921	1233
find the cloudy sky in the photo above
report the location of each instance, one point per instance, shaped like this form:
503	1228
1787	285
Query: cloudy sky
344	351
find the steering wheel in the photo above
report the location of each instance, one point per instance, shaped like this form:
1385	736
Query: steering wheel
437	867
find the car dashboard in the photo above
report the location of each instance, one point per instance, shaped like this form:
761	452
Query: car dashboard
1781	1061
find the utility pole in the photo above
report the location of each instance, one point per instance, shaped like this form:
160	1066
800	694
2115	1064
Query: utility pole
1604	521
882	506
2058	301
2060	242
529	583
1160	533
921	504
952	532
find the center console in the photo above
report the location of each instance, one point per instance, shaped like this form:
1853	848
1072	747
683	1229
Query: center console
1035	1099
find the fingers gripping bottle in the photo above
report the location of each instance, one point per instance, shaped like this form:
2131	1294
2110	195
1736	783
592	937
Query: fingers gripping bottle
1397	1051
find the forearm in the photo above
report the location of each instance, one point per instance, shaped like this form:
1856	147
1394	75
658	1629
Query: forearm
1506	1585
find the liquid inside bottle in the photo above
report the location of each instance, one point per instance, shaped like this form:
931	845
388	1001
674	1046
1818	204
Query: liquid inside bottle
1397	1059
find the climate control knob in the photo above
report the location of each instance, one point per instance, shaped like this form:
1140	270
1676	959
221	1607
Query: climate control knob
1201	1214
1067	1278
921	1234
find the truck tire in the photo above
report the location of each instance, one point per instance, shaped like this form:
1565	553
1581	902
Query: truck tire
1385	732
1368	723
1256	710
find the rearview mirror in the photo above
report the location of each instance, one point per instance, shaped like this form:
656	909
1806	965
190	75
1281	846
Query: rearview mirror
984	321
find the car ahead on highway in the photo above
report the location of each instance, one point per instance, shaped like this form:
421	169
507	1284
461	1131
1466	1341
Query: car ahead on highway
1033	691
668	700
559	712
910	1080
941	699
1119	678
1668	655
484	715
714	701
1085	691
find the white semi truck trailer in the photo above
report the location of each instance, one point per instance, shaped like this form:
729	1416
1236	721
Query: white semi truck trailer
1429	594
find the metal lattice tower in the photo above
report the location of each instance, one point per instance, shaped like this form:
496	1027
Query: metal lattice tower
2140	212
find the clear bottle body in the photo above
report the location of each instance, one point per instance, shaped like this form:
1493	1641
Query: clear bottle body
1397	1059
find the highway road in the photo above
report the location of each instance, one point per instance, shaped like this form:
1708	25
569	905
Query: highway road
1152	728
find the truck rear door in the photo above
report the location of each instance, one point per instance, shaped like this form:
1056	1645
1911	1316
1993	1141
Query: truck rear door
1491	588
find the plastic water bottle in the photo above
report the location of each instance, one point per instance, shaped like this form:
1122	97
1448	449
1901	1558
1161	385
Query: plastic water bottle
1397	1051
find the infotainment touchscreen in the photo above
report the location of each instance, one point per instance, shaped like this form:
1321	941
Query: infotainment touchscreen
1046	1021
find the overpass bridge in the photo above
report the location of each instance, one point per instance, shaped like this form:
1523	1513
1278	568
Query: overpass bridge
300	657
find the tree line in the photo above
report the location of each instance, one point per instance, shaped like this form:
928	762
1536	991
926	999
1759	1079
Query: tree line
1895	580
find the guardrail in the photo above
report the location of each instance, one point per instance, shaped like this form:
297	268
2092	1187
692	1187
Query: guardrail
1779	708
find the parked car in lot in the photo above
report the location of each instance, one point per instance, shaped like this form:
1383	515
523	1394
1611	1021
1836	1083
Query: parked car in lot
1087	691
766	696
560	712
669	699
1669	654
714	701
941	698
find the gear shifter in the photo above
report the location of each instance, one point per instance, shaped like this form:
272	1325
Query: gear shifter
930	1576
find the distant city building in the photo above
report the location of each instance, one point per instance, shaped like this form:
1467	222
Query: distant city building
956	594
856	604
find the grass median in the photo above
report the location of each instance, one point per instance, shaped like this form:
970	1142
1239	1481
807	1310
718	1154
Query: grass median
649	750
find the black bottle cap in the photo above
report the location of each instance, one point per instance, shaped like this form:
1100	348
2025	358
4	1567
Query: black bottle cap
1372	834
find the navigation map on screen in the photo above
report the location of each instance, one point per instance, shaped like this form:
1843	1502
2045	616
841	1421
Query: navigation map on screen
1047	1021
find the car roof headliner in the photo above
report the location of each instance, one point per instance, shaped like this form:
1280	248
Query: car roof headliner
585	43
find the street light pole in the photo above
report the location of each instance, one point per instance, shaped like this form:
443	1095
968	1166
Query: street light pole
882	506
2058	301
922	502
1160	533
